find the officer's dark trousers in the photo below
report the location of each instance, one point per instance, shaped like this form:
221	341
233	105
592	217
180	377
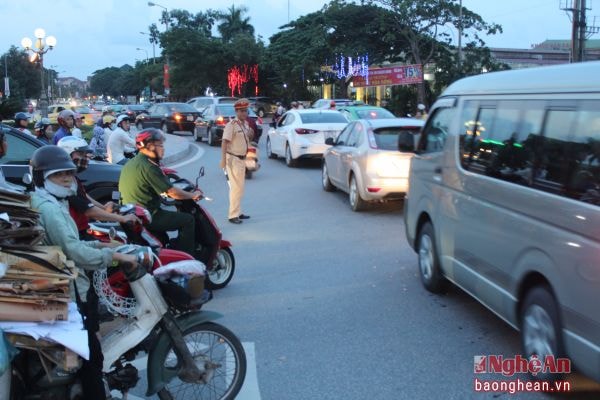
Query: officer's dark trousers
163	221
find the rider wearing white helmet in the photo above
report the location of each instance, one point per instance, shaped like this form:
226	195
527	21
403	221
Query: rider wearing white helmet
120	142
81	206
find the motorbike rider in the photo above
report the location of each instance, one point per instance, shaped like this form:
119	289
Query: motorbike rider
82	207
78	121
53	172
44	131
142	182
120	142
66	121
21	122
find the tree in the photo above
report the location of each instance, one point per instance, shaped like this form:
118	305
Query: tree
24	81
421	23
234	24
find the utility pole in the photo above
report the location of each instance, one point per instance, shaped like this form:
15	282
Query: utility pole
459	62
580	30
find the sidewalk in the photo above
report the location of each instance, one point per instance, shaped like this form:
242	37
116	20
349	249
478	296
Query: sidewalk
176	148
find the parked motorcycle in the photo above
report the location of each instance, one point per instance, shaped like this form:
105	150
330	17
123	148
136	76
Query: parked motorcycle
188	355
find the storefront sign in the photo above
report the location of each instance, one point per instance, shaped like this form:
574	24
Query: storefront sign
401	75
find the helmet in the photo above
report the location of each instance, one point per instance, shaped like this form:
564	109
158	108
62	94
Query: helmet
63	115
148	135
73	143
42	124
421	107
21	116
332	103
121	118
107	119
107	109
48	160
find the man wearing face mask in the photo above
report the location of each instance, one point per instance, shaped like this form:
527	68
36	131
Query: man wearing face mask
53	175
81	206
142	182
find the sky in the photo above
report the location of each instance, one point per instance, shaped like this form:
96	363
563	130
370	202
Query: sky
96	34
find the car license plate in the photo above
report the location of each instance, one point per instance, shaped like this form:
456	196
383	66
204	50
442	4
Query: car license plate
190	117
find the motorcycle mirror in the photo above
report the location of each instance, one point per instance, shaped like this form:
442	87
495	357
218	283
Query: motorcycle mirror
112	233
116	196
201	173
27	179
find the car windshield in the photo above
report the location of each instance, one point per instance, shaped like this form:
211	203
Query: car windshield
387	138
374	114
317	118
183	107
228	110
83	110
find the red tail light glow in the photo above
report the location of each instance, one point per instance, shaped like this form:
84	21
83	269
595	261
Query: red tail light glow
373	189
303	131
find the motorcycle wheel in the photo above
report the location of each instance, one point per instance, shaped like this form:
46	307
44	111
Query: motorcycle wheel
248	174
215	346
223	267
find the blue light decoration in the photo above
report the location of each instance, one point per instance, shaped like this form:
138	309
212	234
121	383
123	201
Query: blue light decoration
347	67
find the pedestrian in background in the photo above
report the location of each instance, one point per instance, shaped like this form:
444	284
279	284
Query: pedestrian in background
234	146
21	123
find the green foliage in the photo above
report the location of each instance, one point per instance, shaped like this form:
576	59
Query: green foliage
24	81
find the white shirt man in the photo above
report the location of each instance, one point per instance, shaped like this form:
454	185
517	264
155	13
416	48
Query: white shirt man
119	141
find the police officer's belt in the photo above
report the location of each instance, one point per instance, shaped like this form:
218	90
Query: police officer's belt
235	155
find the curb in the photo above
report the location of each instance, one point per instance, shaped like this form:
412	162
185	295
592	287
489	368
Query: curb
178	155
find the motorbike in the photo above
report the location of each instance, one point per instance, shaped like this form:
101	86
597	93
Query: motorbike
252	164
188	355
212	250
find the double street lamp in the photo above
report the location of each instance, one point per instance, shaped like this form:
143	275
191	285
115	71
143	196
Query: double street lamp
42	45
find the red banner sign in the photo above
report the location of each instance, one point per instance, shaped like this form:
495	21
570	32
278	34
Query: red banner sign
166	76
402	75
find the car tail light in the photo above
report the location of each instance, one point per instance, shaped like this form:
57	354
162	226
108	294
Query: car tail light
373	189
220	120
177	117
303	131
372	142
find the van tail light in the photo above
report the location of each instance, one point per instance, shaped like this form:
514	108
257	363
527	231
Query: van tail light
372	141
373	189
220	120
177	117
303	131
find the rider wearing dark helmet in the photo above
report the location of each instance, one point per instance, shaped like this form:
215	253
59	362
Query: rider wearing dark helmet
53	175
66	120
142	181
44	131
21	122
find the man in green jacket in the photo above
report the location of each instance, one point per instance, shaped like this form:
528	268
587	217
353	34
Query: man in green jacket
142	182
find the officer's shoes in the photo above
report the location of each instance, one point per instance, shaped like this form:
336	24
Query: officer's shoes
242	216
235	220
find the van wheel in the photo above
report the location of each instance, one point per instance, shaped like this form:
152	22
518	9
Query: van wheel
429	264
541	331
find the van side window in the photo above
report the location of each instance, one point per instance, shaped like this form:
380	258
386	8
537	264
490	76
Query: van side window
585	179
555	158
435	132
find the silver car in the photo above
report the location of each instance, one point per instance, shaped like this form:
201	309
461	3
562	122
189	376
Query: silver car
370	160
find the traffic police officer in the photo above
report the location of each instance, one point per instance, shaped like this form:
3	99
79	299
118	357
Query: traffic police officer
234	146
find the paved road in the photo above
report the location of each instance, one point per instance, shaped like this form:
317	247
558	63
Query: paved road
330	300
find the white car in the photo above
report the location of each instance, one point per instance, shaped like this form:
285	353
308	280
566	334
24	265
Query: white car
302	134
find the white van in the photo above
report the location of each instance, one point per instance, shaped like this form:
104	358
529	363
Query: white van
504	202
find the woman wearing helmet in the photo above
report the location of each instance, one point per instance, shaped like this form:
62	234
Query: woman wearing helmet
120	142
21	123
81	206
44	130
53	175
66	120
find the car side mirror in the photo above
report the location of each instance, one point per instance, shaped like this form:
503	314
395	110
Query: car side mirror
329	141
406	142
27	179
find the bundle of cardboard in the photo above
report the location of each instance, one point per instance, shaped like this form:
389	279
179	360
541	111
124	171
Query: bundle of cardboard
36	285
18	222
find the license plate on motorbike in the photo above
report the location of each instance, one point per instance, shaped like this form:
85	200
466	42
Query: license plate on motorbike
190	117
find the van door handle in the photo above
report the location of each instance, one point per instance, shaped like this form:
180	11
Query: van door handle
437	170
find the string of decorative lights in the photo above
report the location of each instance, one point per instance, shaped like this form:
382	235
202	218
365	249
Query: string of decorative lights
238	76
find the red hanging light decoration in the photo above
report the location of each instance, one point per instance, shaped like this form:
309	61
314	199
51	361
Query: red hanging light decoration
238	76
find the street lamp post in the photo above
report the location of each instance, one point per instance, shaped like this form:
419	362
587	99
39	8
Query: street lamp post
153	50
43	44
166	67
145	51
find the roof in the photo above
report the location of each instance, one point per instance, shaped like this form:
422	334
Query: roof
578	77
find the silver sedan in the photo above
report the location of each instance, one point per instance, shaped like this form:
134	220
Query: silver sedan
370	160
